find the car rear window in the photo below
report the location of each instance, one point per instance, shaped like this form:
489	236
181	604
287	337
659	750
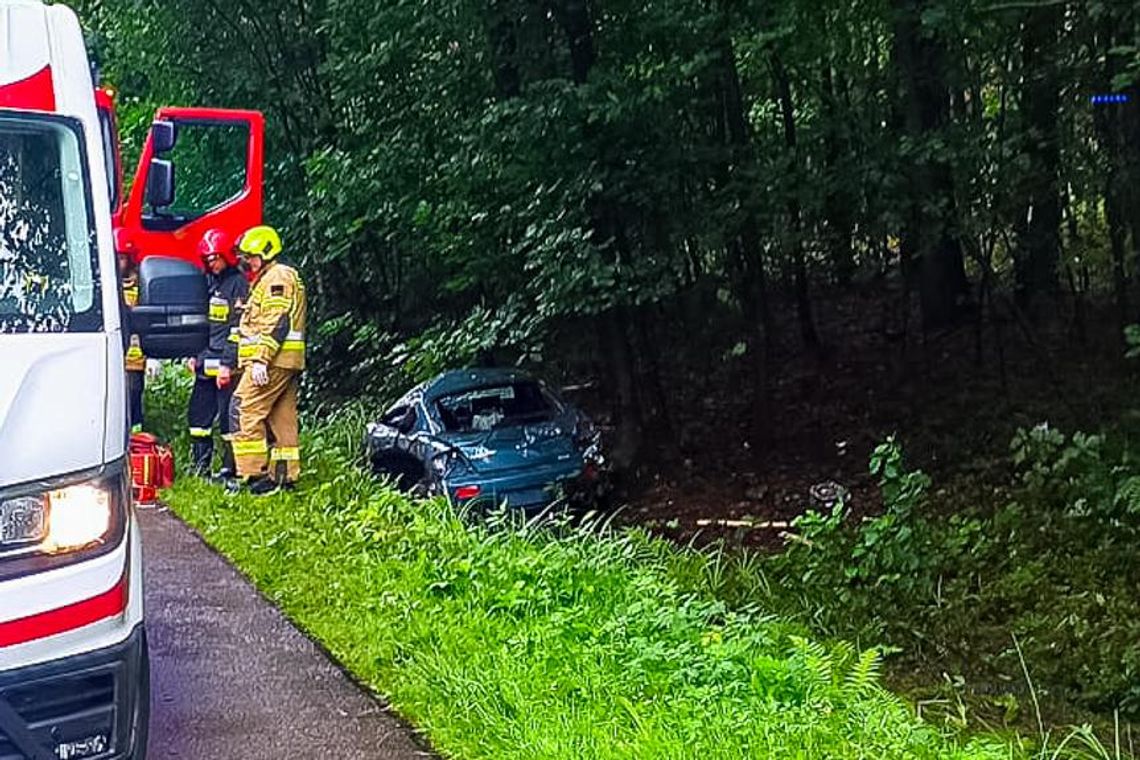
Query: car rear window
495	406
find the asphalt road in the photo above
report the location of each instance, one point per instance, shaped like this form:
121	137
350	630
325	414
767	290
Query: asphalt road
232	679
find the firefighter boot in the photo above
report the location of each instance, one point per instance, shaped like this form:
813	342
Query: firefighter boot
201	457
229	470
266	486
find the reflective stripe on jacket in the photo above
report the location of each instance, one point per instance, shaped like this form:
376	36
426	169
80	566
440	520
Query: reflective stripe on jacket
135	360
272	327
228	294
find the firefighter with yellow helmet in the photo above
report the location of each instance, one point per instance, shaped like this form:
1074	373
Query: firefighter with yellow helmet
271	355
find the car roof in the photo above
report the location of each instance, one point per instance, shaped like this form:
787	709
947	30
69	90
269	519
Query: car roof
457	381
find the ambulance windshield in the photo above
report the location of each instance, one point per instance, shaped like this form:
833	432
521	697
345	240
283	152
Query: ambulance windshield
48	268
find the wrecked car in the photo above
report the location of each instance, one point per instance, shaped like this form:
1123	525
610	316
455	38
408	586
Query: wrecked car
487	438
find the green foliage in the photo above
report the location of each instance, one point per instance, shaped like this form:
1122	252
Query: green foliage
1132	340
526	641
462	163
892	553
890	548
1048	559
166	401
1078	475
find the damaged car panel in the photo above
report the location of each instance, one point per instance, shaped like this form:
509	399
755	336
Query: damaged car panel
489	437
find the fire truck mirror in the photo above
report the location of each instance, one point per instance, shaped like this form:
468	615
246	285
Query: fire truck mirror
160	184
163	136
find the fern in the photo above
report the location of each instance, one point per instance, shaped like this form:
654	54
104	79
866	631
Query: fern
843	654
1128	495
818	663
863	678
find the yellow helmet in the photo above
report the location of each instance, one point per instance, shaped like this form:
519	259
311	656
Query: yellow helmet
260	241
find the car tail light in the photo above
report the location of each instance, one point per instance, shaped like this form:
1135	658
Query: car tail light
467	493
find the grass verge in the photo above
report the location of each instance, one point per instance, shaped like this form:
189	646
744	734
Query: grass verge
509	641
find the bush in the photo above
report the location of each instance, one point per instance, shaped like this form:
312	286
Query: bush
519	641
1049	559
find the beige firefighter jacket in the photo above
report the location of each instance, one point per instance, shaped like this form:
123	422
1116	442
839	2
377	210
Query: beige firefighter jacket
272	329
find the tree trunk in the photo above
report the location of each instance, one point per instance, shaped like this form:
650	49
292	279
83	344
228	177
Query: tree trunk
838	204
627	419
1113	126
573	16
942	284
746	250
1130	118
795	213
1037	267
502	34
655	401
1115	205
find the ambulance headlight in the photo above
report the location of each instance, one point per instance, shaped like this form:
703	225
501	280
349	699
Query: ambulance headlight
70	518
77	517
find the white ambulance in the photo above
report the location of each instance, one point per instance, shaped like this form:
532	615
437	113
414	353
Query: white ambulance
73	656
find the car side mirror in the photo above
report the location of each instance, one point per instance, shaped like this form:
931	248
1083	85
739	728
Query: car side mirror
160	183
163	136
171	316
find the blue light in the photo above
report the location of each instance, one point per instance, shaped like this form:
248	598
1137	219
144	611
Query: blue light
1110	98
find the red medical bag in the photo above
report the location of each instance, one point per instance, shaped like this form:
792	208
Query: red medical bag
152	468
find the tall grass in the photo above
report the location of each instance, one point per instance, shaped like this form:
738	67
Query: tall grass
500	640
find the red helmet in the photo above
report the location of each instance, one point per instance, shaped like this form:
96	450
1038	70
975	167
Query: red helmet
124	246
218	242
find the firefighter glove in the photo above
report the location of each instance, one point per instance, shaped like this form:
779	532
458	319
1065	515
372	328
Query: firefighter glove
259	373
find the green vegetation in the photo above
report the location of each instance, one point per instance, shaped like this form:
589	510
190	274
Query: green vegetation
629	190
754	230
1038	576
525	641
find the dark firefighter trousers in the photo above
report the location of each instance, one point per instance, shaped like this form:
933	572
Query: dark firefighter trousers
208	403
136	382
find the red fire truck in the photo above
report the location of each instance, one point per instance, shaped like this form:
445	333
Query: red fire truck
221	157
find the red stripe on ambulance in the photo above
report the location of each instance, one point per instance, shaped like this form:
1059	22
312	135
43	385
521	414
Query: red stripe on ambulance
40	626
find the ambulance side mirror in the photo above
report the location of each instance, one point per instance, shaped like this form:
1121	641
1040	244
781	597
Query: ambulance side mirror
171	318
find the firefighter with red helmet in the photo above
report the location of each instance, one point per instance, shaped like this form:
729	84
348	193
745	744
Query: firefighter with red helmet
216	368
